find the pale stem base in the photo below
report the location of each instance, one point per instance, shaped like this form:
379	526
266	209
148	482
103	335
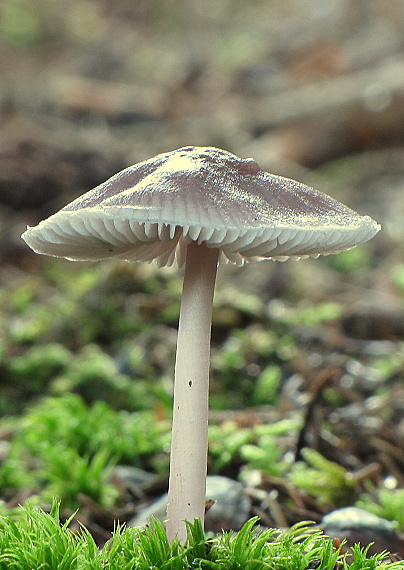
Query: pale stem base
188	463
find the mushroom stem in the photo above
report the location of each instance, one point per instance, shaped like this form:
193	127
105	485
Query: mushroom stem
189	445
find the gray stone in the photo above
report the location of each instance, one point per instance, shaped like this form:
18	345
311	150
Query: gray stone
230	511
359	526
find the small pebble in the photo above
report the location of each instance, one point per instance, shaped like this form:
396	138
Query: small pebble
230	511
133	475
358	526
232	507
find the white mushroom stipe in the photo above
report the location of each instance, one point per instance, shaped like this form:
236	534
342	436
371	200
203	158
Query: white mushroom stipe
200	206
190	409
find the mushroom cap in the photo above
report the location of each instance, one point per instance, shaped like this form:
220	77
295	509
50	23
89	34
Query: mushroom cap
152	210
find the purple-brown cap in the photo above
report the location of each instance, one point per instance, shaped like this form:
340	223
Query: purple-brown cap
152	210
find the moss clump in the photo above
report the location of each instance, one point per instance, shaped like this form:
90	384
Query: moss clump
37	539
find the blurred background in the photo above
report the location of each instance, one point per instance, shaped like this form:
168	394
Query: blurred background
89	87
311	89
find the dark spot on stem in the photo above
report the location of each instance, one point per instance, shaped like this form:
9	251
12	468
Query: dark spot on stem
190	383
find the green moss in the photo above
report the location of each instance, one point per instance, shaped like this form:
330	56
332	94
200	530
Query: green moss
385	503
310	315
350	261
20	23
63	447
397	276
267	385
266	455
38	365
325	480
37	539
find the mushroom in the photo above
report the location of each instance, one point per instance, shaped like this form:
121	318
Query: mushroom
197	206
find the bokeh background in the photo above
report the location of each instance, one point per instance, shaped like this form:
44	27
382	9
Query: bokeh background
311	89
88	87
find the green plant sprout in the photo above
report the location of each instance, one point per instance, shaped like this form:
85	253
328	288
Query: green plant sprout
321	478
397	276
63	447
225	442
71	423
266	455
267	385
13	470
66	474
38	364
36	539
309	315
385	503
229	442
